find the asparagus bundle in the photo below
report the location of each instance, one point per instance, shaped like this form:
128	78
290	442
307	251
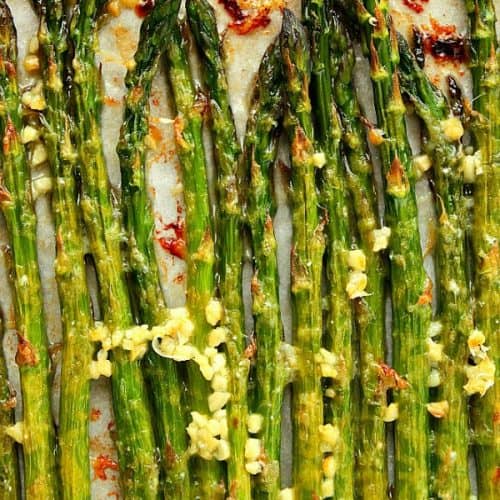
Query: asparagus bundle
309	435
454	306
135	439
69	267
370	309
161	374
40	474
411	288
9	484
229	244
200	256
485	66
335	200
260	151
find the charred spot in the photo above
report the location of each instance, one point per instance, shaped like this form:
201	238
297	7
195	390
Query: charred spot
9	137
26	354
389	378
171	457
250	349
426	297
418	46
144	7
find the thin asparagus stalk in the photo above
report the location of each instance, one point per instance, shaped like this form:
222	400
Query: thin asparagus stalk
169	422
260	151
370	310
135	438
9	482
454	304
69	267
334	197
203	24
411	288
485	66
307	252
199	232
40	472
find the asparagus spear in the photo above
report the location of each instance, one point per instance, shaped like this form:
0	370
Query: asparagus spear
139	224
260	151
335	199
9	483
307	252
40	475
485	234
411	288
135	439
369	310
70	267
203	24
199	233
454	306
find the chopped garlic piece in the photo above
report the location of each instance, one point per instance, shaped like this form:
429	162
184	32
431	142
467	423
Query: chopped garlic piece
381	238
254	468
29	134
469	165
253	448
34	98
31	63
39	154
223	451
376	136
287	494
434	351
330	393
435	329
218	400
453	128
480	377
319	159
476	345
434	378
101	367
327	488
422	163
390	413
356	284
328	371
328	467
217	336
329	436
214	312
220	383
254	423
41	186
356	260
438	409
15	432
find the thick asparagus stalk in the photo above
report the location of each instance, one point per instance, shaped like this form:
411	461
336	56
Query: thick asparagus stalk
135	439
229	245
40	474
307	252
199	232
162	374
9	483
411	288
485	66
261	147
70	267
334	198
370	310
454	306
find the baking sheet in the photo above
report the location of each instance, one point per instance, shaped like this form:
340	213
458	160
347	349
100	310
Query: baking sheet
118	40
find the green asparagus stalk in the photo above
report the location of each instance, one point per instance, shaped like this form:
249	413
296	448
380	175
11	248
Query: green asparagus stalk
135	438
9	482
199	232
454	305
40	472
69	267
169	422
369	310
260	152
334	197
307	252
411	288
203	25
485	67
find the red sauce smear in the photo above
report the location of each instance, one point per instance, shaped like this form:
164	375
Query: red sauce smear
175	242
101	463
415	6
444	43
244	23
144	7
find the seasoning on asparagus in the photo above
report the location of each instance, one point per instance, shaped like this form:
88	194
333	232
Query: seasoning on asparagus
410	286
135	439
229	245
9	481
70	271
37	436
450	352
161	374
343	268
370	309
485	67
310	437
260	152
